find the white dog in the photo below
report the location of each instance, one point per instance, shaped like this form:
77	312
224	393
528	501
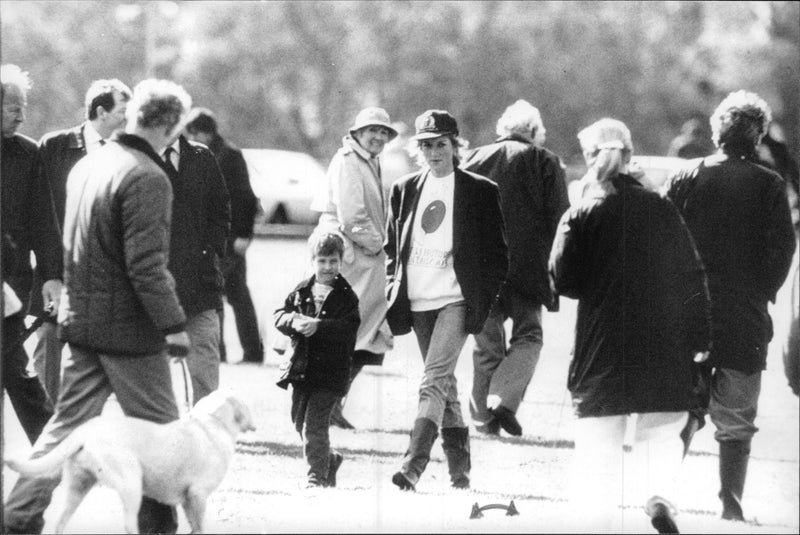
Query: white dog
181	462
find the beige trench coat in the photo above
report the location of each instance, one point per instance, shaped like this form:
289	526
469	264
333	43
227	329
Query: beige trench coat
352	204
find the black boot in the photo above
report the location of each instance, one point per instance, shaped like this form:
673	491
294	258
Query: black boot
418	454
733	458
455	443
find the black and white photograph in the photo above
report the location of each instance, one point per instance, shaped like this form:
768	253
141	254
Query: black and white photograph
400	266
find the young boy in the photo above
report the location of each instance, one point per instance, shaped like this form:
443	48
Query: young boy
321	317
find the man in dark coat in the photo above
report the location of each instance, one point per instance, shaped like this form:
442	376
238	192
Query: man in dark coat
202	127
533	196
58	153
28	223
120	311
738	213
200	220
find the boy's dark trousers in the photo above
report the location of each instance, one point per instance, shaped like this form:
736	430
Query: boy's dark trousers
311	414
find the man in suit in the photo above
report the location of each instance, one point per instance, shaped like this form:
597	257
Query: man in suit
200	222
28	224
533	196
58	153
202	127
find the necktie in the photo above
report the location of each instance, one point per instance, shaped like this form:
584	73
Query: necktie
168	161
102	142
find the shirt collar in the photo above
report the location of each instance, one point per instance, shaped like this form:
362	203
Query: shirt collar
348	141
90	136
176	146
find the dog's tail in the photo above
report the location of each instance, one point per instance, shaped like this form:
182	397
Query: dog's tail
49	464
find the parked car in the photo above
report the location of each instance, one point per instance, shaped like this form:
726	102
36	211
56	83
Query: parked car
285	183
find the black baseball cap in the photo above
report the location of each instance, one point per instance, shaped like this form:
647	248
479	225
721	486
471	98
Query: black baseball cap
435	123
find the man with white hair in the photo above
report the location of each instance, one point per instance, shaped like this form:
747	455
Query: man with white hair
28	224
120	310
533	195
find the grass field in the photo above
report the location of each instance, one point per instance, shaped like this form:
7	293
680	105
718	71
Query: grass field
263	491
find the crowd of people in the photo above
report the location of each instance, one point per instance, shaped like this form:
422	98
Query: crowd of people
139	220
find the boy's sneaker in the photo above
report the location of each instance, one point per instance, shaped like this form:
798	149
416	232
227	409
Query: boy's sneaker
314	483
335	463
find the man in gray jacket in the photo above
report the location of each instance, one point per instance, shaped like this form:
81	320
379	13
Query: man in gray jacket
119	311
533	195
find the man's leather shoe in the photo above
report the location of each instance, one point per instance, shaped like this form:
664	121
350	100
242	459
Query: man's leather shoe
508	421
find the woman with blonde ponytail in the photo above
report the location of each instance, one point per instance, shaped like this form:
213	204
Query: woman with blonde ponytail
643	316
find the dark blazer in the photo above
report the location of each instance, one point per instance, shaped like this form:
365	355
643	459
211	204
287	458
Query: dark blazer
323	360
244	203
120	297
533	196
480	255
738	213
28	219
58	153
643	305
200	222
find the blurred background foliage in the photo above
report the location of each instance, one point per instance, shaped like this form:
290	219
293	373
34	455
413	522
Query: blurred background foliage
292	75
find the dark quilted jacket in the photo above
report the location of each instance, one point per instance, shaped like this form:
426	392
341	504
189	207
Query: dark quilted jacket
120	298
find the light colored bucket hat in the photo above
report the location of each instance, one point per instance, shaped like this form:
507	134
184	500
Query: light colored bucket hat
373	117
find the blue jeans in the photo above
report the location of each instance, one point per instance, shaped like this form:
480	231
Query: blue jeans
441	335
505	370
143	387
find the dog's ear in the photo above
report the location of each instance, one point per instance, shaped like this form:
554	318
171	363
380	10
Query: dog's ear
242	416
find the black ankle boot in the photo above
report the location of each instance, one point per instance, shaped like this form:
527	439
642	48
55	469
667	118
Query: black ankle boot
455	443
418	454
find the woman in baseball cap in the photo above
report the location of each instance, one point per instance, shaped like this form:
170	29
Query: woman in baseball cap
351	205
447	259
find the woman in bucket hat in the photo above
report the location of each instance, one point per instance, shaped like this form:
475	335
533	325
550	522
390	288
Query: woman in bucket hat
352	205
447	259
